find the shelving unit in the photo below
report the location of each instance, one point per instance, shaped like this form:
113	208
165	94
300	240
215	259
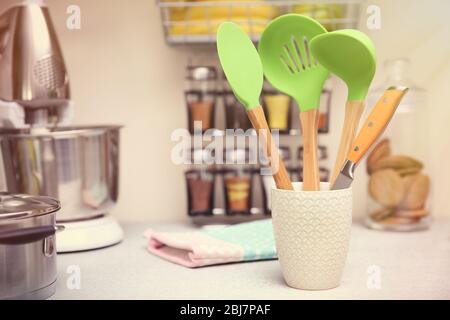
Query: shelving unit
196	22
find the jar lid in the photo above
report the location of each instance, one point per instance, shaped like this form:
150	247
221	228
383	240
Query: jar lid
201	73
21	206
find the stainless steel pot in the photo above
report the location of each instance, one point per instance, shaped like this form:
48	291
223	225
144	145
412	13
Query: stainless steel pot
27	246
77	165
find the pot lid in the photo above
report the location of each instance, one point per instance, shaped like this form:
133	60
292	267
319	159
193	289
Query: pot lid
21	206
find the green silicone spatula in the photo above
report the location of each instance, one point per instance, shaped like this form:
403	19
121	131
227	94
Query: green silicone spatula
242	66
350	54
290	66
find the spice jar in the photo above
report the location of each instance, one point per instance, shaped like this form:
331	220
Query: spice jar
200	182
200	189
238	191
201	97
237	181
399	183
278	111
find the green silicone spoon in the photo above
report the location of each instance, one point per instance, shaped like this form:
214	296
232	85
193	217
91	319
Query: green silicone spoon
242	66
241	63
350	54
291	68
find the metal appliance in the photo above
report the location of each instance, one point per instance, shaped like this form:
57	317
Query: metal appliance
27	246
32	69
77	165
40	153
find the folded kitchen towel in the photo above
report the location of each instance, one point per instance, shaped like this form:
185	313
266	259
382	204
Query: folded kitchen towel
242	242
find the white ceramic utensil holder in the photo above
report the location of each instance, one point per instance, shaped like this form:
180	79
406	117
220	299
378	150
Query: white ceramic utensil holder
312	232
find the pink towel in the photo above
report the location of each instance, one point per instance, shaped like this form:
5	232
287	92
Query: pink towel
243	242
192	249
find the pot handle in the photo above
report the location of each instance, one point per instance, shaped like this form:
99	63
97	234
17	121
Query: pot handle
26	235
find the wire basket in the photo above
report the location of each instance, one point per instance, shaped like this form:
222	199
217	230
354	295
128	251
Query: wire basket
196	21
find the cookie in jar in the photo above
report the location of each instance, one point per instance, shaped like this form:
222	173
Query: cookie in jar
398	189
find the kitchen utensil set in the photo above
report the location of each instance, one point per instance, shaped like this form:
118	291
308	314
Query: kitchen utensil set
296	54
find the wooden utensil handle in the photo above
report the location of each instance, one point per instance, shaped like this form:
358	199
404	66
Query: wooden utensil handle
259	122
376	122
353	113
310	123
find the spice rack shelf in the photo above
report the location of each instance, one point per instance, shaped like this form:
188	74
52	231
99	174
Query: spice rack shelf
232	185
221	133
196	22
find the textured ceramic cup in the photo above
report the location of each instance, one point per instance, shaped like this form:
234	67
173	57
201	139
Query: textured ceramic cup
312	233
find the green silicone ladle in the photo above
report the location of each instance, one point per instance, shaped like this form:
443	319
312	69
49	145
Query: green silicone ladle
290	66
349	54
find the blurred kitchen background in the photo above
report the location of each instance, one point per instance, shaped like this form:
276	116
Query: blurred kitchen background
123	70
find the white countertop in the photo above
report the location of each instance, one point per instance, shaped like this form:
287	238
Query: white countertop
410	265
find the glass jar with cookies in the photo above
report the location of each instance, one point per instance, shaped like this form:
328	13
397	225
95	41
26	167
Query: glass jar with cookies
399	183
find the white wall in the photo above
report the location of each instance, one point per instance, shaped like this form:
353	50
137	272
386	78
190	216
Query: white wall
123	72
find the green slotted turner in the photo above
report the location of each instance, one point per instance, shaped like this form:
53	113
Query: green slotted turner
242	67
291	68
350	54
